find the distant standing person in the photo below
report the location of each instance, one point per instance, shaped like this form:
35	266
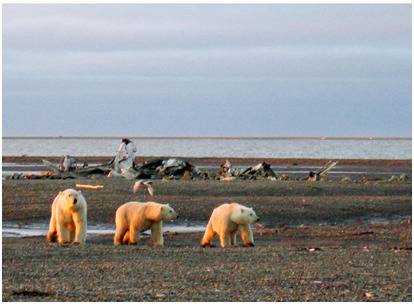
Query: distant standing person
125	155
67	164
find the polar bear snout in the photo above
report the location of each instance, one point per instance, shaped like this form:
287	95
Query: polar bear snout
251	216
73	200
170	214
174	214
255	219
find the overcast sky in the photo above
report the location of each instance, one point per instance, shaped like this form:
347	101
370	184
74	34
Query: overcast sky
207	70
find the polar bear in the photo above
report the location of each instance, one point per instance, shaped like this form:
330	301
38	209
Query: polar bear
226	220
69	218
133	217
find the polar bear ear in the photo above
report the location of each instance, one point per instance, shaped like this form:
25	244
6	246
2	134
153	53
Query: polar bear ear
79	192
242	210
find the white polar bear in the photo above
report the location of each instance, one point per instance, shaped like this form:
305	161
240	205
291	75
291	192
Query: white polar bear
226	220
69	218
133	217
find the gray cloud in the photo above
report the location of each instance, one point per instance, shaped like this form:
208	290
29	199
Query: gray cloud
137	27
348	65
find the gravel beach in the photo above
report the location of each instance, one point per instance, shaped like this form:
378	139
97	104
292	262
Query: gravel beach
323	241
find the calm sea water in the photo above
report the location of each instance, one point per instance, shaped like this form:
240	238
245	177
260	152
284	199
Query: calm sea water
276	148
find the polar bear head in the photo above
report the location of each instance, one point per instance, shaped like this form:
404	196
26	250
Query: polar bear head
243	215
168	213
159	212
72	199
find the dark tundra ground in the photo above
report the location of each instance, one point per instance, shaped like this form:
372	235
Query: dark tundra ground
361	252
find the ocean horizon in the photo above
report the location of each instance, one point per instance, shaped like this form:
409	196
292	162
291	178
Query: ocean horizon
220	137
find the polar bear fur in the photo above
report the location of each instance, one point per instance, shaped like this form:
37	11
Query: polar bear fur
226	220
69	218
133	217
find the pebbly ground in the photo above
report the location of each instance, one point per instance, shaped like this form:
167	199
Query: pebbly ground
333	263
295	258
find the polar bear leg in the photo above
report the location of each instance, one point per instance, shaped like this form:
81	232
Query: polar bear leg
52	236
225	240
52	233
246	235
156	234
72	232
133	237
125	239
63	233
120	233
80	228
208	235
233	237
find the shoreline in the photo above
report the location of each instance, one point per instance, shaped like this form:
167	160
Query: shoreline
15	230
197	161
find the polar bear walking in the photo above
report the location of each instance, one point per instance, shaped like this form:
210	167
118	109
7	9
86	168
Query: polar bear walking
226	220
133	217
69	218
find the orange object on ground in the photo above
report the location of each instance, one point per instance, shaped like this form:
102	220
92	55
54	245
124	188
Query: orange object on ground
90	187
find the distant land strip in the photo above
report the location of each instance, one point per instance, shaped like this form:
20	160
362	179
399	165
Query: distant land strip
215	137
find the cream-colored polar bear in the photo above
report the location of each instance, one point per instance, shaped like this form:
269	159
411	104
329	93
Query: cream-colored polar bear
226	220
69	218
133	217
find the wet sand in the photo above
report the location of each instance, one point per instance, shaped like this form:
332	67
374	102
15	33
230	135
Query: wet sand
295	258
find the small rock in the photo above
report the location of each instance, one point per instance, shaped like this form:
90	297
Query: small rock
368	295
284	177
313	249
259	226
